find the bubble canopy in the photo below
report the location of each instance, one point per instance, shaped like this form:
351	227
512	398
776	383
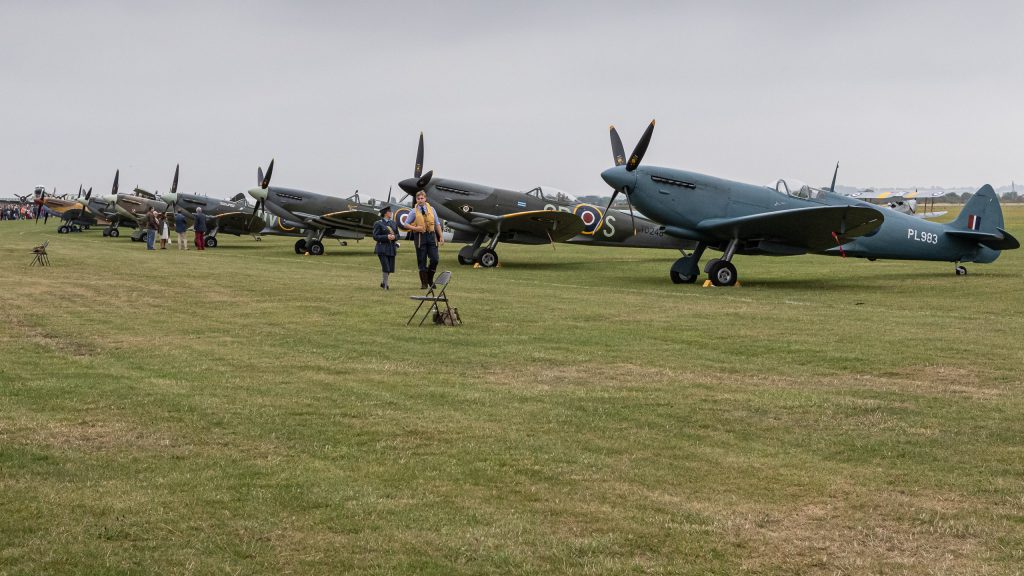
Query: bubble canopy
549	194
795	188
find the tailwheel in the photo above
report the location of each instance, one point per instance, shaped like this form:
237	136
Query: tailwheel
961	271
300	246
114	233
487	258
210	242
723	273
678	278
316	248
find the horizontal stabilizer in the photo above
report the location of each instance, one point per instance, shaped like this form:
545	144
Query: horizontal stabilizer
1000	240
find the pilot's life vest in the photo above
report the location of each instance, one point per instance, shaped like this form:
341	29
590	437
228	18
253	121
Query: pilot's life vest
421	220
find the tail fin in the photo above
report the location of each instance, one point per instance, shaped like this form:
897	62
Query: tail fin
981	213
981	220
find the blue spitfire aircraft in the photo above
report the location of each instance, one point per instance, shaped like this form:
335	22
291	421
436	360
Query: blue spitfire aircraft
787	218
481	216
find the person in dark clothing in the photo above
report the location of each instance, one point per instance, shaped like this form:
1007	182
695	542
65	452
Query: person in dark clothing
385	232
426	228
180	225
200	227
152	224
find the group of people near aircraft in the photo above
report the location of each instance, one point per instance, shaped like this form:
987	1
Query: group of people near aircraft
681	210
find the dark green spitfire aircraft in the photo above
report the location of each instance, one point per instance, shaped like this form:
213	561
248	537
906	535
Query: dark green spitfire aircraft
788	218
313	215
484	215
227	216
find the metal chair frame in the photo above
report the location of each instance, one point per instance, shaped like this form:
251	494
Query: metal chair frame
41	257
434	297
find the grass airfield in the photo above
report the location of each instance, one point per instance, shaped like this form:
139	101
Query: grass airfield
247	410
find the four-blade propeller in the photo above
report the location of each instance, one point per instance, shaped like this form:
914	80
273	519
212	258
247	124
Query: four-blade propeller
619	157
419	180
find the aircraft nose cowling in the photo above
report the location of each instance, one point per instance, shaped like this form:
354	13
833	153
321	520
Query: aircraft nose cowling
618	177
169	198
258	193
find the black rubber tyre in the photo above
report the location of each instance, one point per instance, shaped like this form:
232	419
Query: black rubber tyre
487	258
465	261
210	242
114	233
300	246
961	271
63	230
106	232
678	278
316	248
723	274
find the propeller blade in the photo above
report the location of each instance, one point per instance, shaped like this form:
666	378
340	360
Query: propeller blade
88	194
259	176
632	218
618	152
641	148
389	195
255	209
832	188
174	185
79	191
116	176
423	181
418	171
607	208
266	179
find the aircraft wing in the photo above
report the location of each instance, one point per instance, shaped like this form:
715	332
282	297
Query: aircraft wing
361	220
553	224
810	228
239	222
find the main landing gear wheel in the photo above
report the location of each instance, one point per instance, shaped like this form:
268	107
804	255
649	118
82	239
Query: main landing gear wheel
210	242
114	233
678	278
300	246
316	248
488	258
106	232
63	230
465	261
961	271
722	273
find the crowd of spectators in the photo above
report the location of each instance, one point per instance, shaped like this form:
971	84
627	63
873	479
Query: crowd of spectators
15	211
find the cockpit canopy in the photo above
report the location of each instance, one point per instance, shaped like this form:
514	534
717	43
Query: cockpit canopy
549	194
795	188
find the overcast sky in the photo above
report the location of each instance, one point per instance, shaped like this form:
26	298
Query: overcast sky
511	94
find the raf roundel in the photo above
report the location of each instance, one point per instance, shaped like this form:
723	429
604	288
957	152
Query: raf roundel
590	215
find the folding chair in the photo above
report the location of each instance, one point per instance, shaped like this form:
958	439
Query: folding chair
41	257
434	298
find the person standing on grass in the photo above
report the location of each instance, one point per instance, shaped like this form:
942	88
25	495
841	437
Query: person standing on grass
426	228
164	235
180	225
385	232
151	226
200	227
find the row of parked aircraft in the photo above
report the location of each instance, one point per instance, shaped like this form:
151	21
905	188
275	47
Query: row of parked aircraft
681	210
